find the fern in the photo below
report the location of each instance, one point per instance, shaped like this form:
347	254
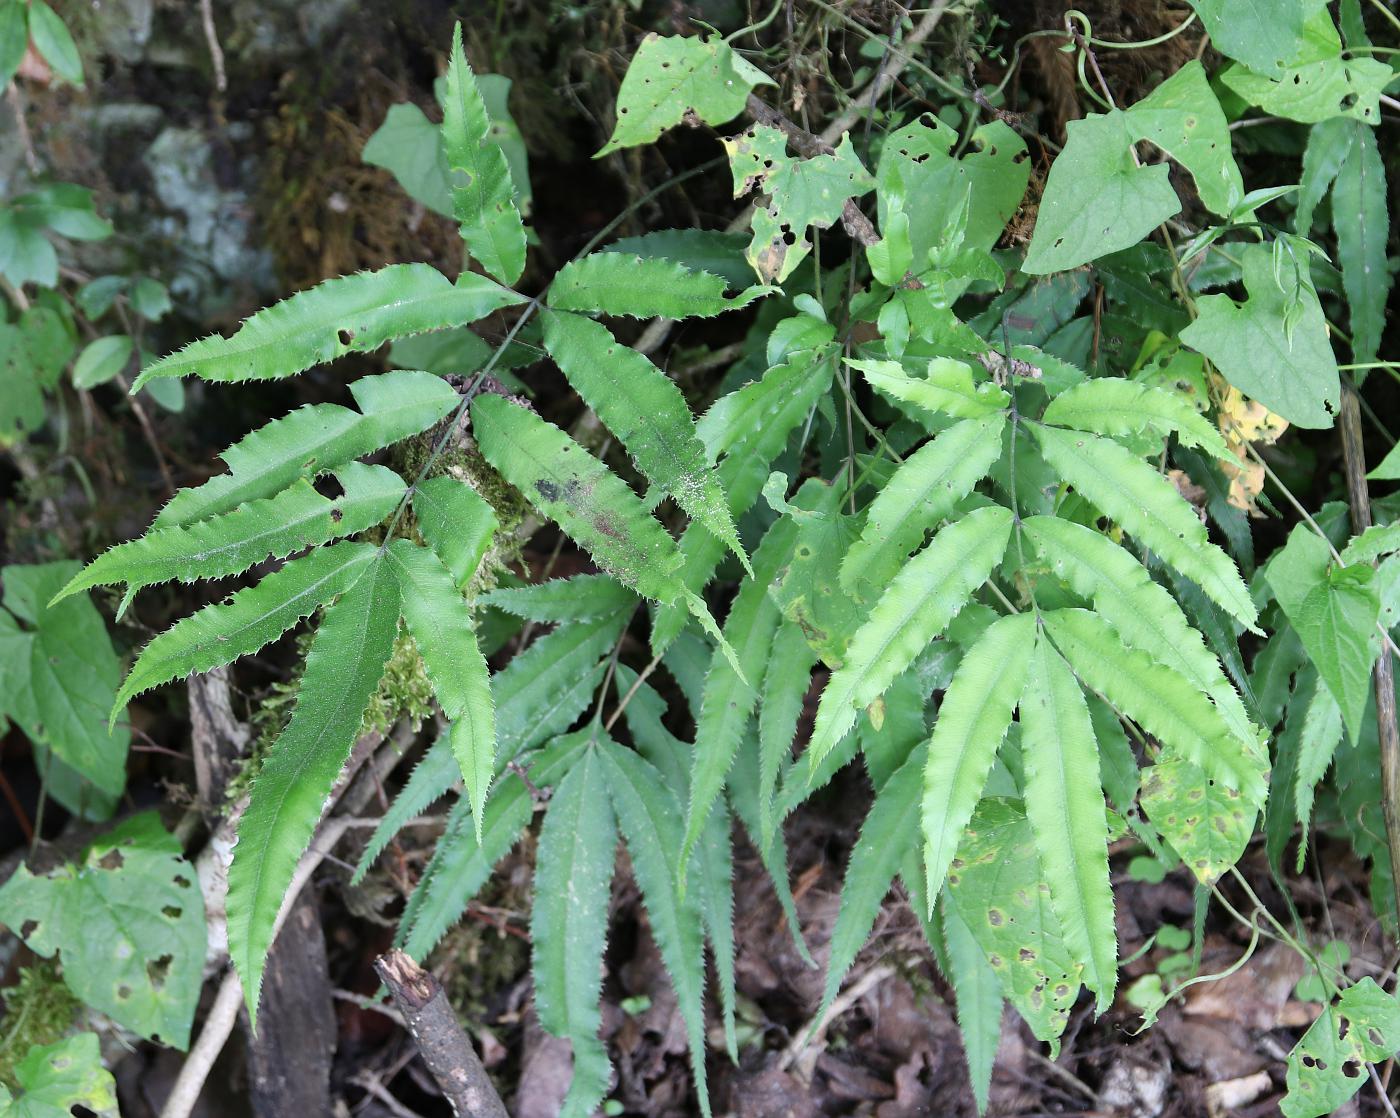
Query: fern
785	687
647	412
946	389
1067	813
353	314
615	283
915	608
483	196
343	667
441	624
580	598
1108	406
295	519
1145	503
456	522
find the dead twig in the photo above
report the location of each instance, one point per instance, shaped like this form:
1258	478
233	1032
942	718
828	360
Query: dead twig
446	1049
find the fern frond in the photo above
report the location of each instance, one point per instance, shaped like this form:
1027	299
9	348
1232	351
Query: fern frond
483	195
1207	824
1157	697
999	893
746	430
889	832
569	923
915	607
457	523
727	703
591	503
713	885
979	1001
922	491
785	687
946	389
650	820
537	695
616	283
1145	503
1065	805
580	598
1113	406
229	544
647	412
441	624
318	437
350	314
343	667
1146	616
972	721
219	634
1322	734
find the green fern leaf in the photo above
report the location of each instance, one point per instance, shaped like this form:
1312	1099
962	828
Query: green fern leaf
727	703
1146	504
947	389
441	624
229	544
616	283
746	430
460	866
1322	734
998	891
1113	406
351	314
483	196
714	890
580	598
569	923
539	694
343	668
319	437
219	634
922	491
1158	698
1065	804
1207	824
457	523
889	832
593	505
1146	616
647	412
979	1002
917	605
785	687
650	820
972	721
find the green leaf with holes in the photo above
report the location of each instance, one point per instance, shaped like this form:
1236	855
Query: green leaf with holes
60	1080
128	922
1327	1067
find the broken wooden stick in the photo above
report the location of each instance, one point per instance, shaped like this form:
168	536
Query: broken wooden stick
446	1049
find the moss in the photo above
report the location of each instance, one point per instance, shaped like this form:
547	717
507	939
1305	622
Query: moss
39	1009
404	692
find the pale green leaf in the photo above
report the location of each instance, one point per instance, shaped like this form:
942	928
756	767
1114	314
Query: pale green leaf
1264	34
343	668
228	544
1318	742
916	606
54	44
979	1002
483	196
457	523
130	903
568	924
219	634
1207	824
1161	700
947	388
101	360
440	621
1336	622
1329	144
315	438
1362	221
1116	407
1319	84
671	76
1291	373
580	598
14	37
647	412
923	490
972	721
1324	1068
1148	506
1370	545
350	314
1065	804
616	283
786	682
997	889
409	146
61	1079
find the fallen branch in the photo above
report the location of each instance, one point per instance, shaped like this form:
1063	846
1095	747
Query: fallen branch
446	1049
